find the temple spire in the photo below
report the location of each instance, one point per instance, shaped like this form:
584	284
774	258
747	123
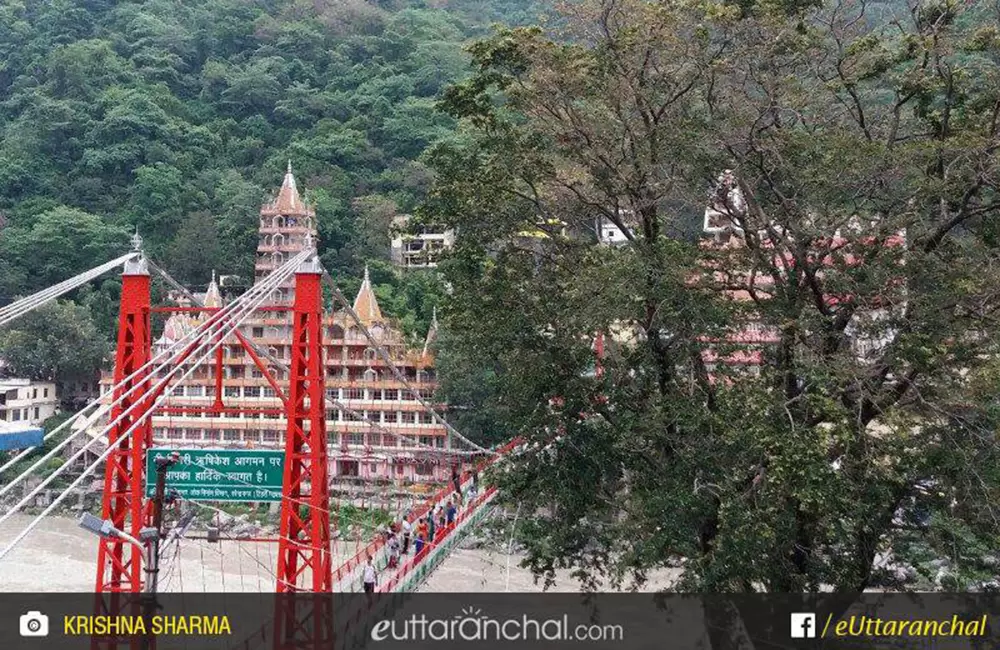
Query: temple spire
213	297
366	305
289	201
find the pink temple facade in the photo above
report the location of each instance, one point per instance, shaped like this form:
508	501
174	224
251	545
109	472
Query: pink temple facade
384	432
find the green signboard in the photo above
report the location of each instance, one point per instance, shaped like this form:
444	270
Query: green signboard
220	474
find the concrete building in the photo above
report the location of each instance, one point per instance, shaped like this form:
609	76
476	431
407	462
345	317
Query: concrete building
419	250
747	344
611	234
76	393
27	402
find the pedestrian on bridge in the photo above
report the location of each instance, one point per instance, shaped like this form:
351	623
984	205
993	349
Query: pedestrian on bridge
430	527
370	580
422	535
456	479
393	551
418	546
450	513
407	531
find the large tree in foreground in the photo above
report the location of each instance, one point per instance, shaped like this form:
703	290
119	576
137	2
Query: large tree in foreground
870	431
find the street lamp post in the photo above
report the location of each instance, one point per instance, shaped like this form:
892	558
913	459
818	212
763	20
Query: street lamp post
105	528
153	558
149	537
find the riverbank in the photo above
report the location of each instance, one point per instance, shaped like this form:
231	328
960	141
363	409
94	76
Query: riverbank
59	557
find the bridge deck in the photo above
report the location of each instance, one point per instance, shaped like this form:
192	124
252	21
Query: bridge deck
353	617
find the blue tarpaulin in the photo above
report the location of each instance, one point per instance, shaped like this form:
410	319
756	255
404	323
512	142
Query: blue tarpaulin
20	439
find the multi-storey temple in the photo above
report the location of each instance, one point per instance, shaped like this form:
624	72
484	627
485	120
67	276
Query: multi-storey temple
380	429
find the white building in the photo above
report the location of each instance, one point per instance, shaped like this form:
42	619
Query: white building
418	250
26	401
610	234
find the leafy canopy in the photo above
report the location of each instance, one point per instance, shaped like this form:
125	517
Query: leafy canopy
848	429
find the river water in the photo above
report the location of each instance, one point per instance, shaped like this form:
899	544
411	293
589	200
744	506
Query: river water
60	556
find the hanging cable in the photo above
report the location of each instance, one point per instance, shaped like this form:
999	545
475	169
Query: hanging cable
256	550
285	271
278	363
282	366
205	329
204	587
247	308
21	307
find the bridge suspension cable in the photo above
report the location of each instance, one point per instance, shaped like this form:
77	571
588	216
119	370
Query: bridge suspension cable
278	363
163	354
21	307
205	328
259	295
158	392
381	351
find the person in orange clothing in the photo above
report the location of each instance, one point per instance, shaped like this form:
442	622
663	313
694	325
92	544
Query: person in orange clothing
422	531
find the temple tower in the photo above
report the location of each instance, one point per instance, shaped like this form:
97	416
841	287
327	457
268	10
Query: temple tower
284	224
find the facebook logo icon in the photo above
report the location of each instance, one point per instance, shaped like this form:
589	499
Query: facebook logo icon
803	626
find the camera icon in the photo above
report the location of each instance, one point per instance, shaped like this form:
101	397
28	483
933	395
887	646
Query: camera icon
34	624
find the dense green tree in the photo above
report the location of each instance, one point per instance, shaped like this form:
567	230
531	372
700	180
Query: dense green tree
124	109
375	215
196	250
866	411
56	342
61	243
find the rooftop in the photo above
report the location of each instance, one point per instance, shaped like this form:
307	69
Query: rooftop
11	383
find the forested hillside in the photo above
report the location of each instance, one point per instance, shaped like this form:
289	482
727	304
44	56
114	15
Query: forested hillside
178	116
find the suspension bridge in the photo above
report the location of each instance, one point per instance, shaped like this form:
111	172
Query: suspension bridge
112	436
